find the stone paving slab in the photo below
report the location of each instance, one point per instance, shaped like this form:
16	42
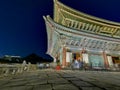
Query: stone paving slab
36	82
41	76
81	83
16	83
3	82
102	84
113	88
42	87
67	76
49	79
72	79
58	81
115	82
54	75
19	79
90	88
18	88
85	78
64	87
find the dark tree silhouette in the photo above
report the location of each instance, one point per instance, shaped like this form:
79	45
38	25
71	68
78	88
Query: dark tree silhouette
34	58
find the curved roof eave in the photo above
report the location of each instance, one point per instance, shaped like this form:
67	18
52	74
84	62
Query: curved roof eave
88	16
102	37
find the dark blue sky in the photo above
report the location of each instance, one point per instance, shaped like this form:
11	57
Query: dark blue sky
22	28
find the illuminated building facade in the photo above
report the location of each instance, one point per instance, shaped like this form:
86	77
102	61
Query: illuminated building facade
76	35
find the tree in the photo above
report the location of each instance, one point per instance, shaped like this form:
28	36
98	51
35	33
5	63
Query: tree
33	58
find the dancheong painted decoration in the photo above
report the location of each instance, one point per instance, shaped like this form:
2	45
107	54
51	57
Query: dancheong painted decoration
73	35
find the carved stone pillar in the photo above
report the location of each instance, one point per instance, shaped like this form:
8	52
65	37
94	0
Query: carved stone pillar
106	64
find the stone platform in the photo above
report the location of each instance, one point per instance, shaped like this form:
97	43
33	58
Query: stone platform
49	79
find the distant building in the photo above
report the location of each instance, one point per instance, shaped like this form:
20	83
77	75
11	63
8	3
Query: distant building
76	35
12	58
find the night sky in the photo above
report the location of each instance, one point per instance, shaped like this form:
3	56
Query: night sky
22	27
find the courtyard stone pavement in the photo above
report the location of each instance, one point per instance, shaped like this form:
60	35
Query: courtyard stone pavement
50	79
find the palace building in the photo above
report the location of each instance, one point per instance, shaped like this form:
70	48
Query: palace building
75	35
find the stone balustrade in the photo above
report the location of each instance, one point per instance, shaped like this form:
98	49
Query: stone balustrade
13	69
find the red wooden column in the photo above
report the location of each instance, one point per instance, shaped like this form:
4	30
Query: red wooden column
105	60
64	57
81	56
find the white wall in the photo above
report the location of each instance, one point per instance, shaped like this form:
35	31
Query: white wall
110	60
85	58
68	56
